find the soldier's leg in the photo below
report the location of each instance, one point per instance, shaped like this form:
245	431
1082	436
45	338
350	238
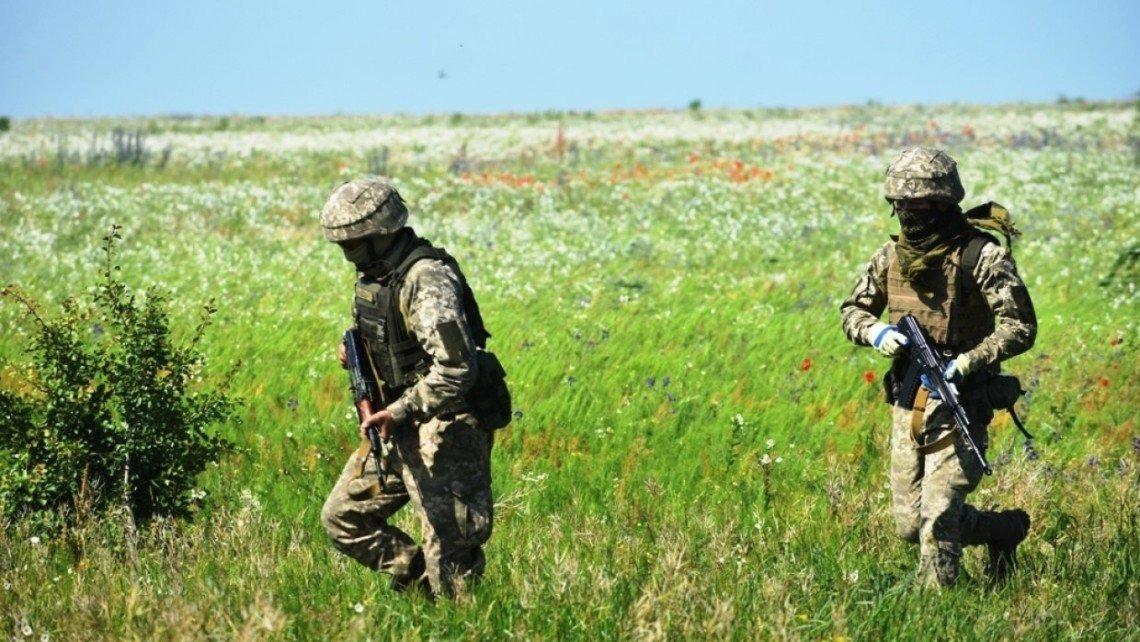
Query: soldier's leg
906	477
979	526
356	513
1000	531
951	474
448	474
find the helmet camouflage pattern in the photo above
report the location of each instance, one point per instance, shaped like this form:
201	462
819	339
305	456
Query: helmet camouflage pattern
922	172
363	207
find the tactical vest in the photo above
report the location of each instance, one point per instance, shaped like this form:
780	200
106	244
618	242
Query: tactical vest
954	312
396	354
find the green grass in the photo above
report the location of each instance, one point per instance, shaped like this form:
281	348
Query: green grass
666	321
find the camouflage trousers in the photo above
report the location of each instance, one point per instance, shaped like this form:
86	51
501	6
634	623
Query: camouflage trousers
928	492
443	468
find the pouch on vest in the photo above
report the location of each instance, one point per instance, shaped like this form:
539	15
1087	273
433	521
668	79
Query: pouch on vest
900	383
1003	391
490	399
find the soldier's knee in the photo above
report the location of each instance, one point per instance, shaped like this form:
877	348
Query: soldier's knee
332	518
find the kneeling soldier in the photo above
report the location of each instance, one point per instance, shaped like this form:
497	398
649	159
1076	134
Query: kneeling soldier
963	289
441	395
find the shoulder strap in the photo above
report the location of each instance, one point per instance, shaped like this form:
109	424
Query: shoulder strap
971	254
425	250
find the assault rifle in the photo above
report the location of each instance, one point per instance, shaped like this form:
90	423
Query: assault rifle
364	392
926	363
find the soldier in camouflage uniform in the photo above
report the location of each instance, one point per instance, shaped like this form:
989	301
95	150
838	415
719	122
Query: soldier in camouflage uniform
977	311
422	331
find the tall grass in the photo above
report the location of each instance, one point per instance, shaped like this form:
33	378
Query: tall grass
699	452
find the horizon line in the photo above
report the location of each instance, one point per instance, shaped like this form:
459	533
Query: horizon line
1060	100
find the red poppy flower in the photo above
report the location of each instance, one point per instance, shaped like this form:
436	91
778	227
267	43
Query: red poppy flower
805	365
869	376
1103	382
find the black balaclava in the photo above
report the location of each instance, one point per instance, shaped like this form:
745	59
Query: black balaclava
379	254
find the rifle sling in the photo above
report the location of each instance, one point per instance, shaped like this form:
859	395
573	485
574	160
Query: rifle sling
917	417
376	488
363	452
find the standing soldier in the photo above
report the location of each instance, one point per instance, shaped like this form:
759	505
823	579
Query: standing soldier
964	290
441	395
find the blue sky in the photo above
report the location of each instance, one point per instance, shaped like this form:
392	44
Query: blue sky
119	58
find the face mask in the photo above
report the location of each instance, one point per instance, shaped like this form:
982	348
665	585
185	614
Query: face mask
357	255
917	219
369	254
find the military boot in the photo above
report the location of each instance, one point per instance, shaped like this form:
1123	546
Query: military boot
1007	529
415	578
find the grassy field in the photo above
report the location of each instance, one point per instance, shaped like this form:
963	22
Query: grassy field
698	451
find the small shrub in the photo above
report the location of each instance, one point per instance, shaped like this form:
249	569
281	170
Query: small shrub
695	105
111	411
5	124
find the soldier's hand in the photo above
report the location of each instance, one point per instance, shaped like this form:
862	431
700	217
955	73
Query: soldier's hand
382	421
342	354
886	339
958	368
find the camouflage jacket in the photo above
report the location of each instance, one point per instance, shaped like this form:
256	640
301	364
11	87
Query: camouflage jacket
431	302
1015	322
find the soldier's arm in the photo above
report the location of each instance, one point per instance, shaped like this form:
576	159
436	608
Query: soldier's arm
1015	322
863	308
431	300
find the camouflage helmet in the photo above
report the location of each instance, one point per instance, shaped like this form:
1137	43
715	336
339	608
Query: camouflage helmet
922	172
363	207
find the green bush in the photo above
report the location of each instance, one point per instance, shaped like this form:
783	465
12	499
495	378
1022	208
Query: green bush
5	124
110	411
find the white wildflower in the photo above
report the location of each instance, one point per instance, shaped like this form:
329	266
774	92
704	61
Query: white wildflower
250	501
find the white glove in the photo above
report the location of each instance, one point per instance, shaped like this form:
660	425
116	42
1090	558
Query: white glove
886	339
958	368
